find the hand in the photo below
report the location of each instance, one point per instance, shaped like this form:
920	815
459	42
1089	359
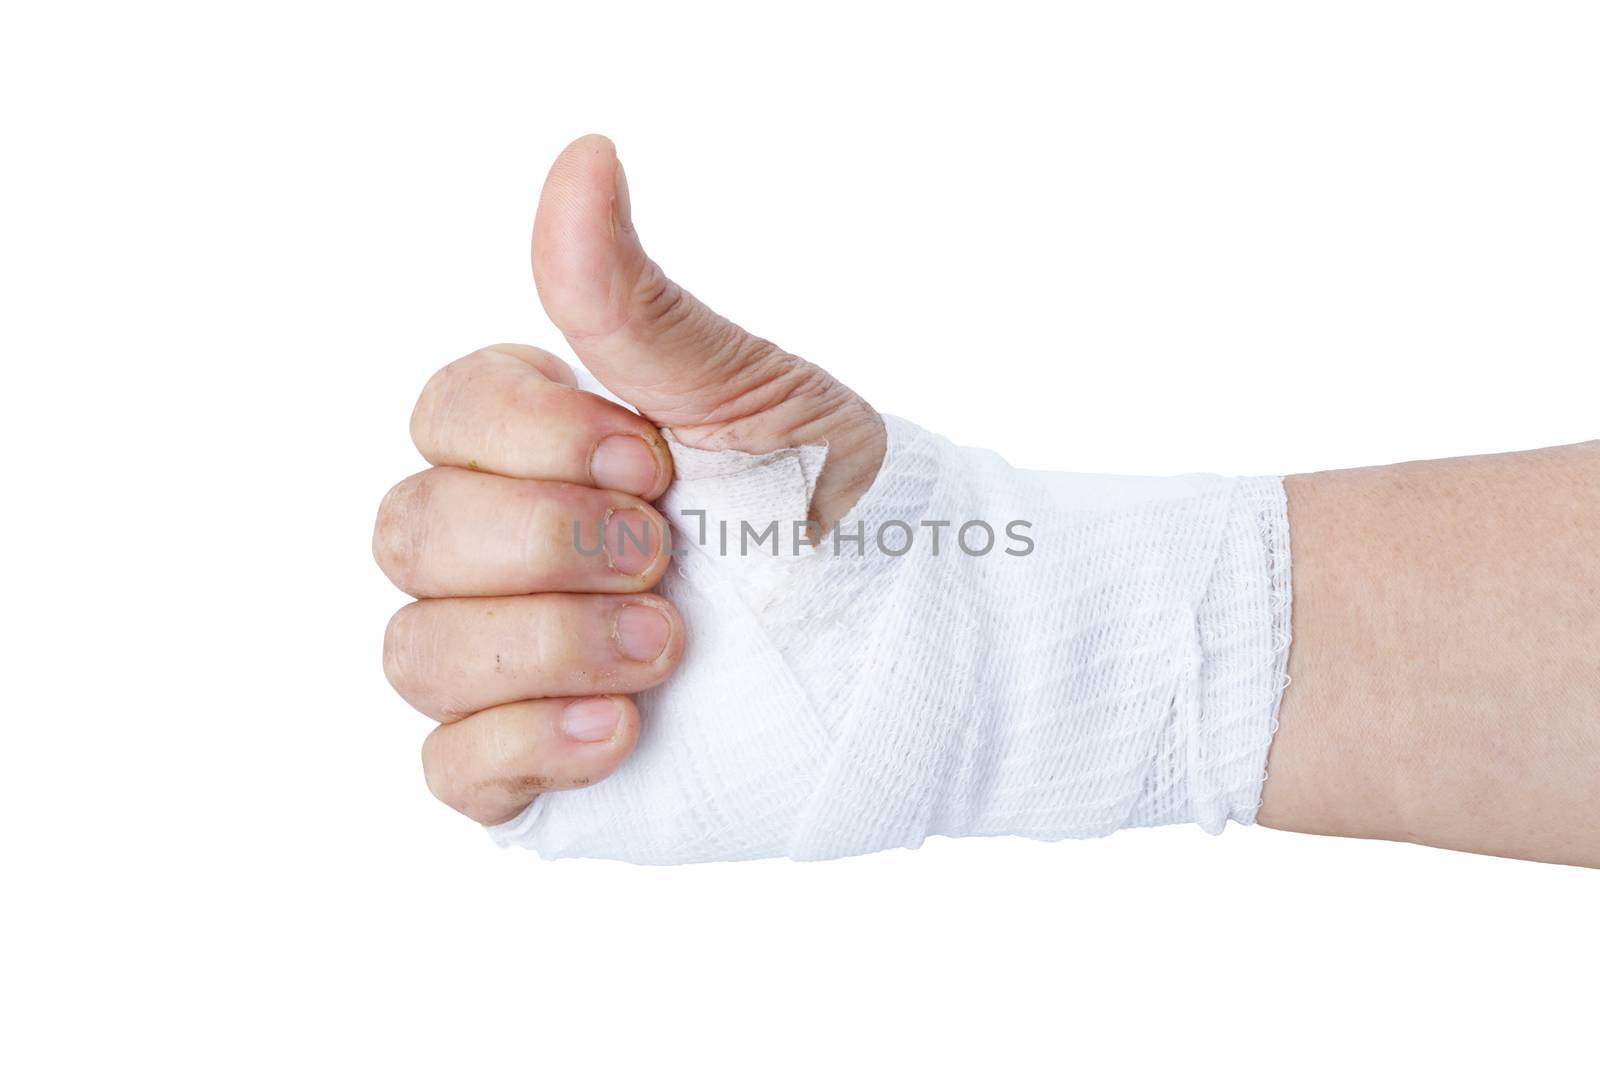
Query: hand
522	647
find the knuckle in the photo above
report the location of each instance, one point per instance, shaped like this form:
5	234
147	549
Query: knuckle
440	397
492	766
527	407
532	397
659	306
453	400
397	539
424	665
545	364
440	776
398	649
490	789
733	346
409	657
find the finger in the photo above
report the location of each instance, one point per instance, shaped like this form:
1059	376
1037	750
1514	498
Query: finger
491	765
505	410
449	658
644	336
684	367
447	532
550	366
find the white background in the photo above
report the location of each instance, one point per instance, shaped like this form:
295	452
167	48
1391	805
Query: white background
1124	237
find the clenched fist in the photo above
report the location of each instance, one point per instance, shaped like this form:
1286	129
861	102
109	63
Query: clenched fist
526	641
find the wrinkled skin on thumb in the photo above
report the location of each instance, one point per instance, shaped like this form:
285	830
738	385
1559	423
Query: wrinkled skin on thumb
655	345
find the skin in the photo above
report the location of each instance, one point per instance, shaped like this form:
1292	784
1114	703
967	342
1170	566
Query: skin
1446	655
516	642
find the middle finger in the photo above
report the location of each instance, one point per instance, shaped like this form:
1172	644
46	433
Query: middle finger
450	532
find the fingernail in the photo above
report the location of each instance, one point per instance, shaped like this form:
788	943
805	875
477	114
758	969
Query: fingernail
622	204
591	720
631	541
642	632
624	462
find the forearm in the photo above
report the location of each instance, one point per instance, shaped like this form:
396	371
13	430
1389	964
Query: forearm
1446	658
1122	669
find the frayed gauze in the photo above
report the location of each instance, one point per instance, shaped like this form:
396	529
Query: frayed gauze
844	699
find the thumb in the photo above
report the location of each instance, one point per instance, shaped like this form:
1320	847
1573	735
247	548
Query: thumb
639	332
681	364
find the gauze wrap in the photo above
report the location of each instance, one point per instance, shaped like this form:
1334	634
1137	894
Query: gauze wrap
853	697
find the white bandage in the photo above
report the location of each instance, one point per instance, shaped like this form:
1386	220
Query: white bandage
1124	670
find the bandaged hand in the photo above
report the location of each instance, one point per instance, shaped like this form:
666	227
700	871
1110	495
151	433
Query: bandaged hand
753	618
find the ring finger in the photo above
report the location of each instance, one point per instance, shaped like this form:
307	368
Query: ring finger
449	658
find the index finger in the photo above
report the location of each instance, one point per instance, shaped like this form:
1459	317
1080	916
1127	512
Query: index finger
513	410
